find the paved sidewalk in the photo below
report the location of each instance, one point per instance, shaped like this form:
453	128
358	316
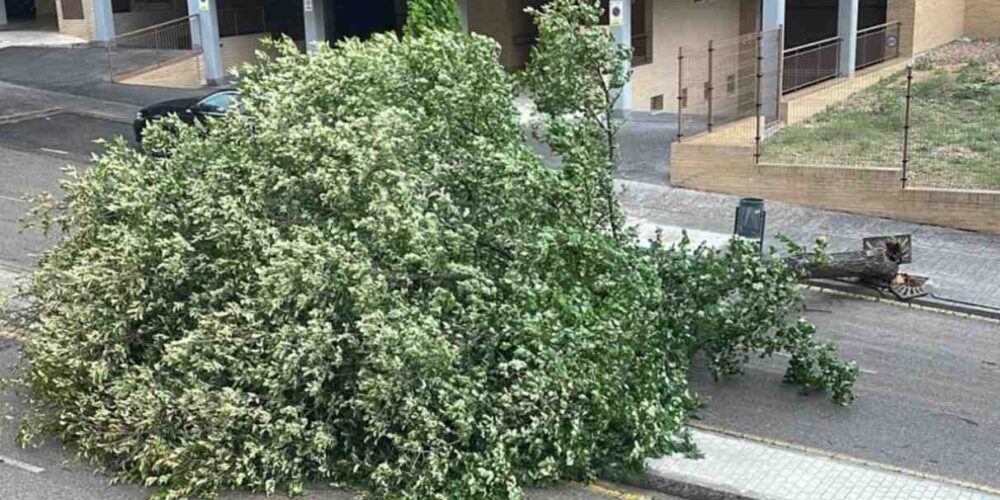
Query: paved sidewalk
81	71
742	468
962	265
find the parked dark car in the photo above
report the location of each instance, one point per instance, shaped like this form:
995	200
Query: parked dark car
188	110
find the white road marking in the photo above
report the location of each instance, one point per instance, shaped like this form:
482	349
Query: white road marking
56	151
34	469
10	198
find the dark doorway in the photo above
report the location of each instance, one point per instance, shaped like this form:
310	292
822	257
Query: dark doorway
362	19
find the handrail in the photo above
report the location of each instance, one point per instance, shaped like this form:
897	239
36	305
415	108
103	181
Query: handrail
157	26
878	27
811	45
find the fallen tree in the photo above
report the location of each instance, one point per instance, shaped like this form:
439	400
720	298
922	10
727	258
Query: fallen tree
364	276
875	264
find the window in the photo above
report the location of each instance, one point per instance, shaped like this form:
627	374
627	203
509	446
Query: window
217	103
72	9
642	32
656	103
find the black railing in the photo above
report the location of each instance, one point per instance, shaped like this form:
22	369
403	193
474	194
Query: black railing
877	44
810	64
151	47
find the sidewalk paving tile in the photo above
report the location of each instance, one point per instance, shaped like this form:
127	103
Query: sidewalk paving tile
768	472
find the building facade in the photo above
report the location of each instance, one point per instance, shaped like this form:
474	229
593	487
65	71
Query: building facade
836	36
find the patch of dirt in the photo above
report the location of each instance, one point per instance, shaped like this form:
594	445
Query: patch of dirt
954	55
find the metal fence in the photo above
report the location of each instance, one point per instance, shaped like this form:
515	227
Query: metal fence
940	127
878	44
151	47
810	64
952	135
855	122
726	83
936	123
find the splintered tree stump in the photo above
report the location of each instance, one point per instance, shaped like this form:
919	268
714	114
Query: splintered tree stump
874	264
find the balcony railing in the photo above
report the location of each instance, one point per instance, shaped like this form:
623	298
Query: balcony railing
877	44
141	50
810	64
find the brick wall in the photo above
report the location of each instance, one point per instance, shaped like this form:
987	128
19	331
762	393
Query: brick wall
903	11
729	168
982	18
679	23
937	22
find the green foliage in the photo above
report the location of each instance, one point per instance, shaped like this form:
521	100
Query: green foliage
365	276
730	304
425	16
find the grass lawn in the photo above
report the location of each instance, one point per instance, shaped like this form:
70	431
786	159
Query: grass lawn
955	120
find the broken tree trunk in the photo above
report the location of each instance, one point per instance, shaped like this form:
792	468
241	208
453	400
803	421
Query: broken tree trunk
871	264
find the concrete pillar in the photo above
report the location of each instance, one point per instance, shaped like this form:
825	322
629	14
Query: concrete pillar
623	35
847	30
314	15
208	38
104	21
463	14
3	13
772	14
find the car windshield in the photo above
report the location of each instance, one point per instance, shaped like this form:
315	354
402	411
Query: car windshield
217	103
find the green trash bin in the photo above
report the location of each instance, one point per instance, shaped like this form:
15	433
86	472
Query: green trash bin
750	219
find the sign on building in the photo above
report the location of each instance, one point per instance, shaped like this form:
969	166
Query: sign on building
616	12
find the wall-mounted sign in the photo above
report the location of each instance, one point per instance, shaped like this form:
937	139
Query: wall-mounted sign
616	12
203	5
307	5
891	41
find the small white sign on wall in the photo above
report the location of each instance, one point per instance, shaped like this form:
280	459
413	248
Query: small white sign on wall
203	5
616	12
307	5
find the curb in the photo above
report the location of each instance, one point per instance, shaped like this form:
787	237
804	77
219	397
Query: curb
926	303
689	488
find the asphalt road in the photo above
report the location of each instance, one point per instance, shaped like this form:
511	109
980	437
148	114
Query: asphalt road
929	392
33	154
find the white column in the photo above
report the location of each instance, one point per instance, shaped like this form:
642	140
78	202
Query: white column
314	15
847	30
208	38
463	14
623	35
104	21
772	15
3	13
